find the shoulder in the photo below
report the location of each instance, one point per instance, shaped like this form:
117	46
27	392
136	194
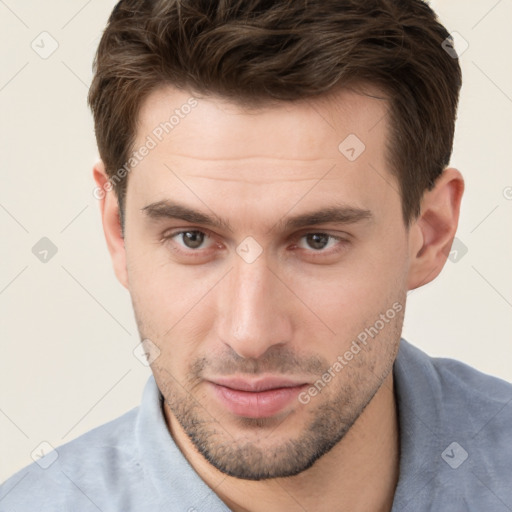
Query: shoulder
84	471
455	383
460	421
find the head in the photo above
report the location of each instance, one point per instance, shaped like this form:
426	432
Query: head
273	181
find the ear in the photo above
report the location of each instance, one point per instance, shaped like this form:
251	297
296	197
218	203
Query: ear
432	233
109	208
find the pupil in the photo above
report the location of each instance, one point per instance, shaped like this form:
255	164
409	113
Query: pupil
193	239
318	240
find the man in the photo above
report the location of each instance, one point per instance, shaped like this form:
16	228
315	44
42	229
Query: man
273	182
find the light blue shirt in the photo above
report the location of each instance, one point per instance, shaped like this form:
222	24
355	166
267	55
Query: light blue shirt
455	452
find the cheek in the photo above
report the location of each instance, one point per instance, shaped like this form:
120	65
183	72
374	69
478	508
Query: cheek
351	297
172	305
160	288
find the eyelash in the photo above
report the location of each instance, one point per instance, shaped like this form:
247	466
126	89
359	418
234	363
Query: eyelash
198	253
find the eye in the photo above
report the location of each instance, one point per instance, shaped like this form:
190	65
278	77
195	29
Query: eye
318	241
192	239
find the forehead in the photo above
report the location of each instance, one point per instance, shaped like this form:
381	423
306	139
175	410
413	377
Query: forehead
213	152
212	127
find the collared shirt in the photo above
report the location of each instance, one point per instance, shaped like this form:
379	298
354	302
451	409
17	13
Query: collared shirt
455	427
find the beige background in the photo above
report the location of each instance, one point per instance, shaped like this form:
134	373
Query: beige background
67	329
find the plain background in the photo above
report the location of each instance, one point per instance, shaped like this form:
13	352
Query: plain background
67	328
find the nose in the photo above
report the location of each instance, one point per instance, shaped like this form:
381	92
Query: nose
255	309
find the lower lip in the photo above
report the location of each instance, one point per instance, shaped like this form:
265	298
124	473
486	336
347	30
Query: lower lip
260	404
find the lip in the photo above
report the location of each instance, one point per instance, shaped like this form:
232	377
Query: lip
256	398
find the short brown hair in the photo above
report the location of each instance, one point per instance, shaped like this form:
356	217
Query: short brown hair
257	51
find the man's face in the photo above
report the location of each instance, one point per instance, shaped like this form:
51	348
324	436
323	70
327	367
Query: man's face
249	311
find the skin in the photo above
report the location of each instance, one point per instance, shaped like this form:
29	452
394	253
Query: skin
295	308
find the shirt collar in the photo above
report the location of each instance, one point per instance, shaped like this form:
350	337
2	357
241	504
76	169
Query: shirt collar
171	482
418	419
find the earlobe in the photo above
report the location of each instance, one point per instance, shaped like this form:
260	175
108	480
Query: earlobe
109	208
431	234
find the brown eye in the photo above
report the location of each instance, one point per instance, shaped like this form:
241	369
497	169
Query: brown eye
192	239
317	241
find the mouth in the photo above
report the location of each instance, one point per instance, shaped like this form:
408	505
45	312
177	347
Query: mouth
256	398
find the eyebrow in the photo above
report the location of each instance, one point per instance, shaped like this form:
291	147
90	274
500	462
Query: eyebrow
170	210
343	214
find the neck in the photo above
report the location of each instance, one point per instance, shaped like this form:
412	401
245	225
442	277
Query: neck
359	473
